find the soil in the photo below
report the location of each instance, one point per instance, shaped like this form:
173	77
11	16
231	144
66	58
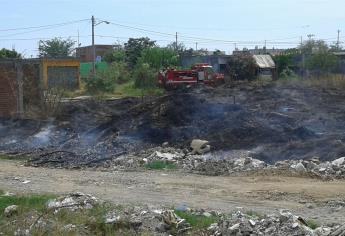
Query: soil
275	122
309	198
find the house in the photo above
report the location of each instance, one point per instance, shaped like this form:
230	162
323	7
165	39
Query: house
218	62
85	54
265	66
23	81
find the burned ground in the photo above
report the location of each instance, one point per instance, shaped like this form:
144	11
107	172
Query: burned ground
274	122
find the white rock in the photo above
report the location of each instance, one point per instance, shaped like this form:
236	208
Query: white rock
213	227
234	227
11	210
339	161
299	167
166	156
112	219
252	223
207	214
200	146
295	225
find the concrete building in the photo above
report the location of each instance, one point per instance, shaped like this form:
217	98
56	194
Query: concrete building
260	51
23	81
218	62
85	54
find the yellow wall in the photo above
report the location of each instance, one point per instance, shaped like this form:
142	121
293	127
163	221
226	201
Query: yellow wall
56	63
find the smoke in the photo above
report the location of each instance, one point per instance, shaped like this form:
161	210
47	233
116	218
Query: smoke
43	137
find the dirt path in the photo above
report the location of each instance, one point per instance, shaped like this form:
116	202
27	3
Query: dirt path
264	194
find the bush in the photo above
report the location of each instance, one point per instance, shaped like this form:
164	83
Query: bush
144	76
106	80
241	67
287	73
159	58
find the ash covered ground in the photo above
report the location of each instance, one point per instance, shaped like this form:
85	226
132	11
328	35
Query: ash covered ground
272	122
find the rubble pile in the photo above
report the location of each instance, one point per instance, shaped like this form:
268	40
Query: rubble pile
284	223
325	170
73	202
220	163
139	220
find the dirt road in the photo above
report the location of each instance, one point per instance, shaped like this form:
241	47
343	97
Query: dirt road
263	194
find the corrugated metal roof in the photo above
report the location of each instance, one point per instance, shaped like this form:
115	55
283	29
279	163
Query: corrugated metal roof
264	61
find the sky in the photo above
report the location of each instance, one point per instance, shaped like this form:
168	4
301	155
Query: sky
212	24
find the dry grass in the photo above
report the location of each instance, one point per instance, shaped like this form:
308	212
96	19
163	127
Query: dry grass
332	81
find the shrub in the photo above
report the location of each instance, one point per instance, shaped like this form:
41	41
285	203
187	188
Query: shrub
106	80
241	67
144	76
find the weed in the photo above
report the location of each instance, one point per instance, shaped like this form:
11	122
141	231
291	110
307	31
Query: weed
160	165
197	222
312	224
253	214
333	81
24	202
15	157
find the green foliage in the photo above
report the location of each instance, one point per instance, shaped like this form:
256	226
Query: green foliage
106	80
198	222
313	224
129	90
322	62
314	46
144	76
134	47
160	165
218	52
241	67
284	62
55	48
5	53
118	55
159	58
24	202
287	74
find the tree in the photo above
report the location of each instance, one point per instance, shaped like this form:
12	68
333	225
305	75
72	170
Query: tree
117	55
145	76
55	48
241	67
180	49
5	53
320	57
218	52
159	58
322	62
314	46
284	62
134	48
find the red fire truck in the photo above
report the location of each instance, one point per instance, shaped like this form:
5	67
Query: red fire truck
199	73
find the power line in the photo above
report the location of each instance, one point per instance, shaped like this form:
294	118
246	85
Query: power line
43	26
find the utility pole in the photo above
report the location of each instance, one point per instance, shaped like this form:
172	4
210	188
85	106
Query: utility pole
265	46
338	40
78	39
176	42
93	47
